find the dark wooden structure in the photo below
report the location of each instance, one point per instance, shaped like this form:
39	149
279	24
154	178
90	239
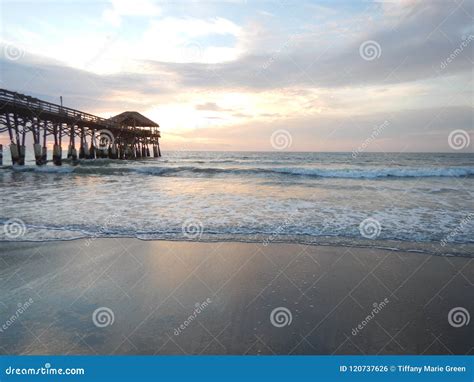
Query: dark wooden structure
128	135
135	120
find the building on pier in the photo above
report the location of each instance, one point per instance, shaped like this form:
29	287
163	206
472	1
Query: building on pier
134	120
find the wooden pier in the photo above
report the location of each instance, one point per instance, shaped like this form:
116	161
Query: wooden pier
128	135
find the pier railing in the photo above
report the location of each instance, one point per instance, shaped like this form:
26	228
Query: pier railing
15	101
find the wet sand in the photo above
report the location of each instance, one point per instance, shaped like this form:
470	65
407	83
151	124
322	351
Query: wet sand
159	297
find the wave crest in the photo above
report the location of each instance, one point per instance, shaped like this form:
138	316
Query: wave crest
311	172
315	172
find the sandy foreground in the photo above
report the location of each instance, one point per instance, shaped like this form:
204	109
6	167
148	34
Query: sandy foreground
126	296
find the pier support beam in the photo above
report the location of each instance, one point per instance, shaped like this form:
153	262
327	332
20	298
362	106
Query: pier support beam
129	152
113	151
82	152
57	150
87	154
72	152
38	154
44	150
92	150
20	140
44	155
15	153
22	152
37	150
57	155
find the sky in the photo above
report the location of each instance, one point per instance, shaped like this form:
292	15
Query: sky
233	75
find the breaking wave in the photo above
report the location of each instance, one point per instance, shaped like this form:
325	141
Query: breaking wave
346	173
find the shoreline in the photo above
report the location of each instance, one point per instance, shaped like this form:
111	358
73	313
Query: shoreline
410	245
148	289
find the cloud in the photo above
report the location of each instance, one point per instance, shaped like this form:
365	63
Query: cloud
211	106
412	49
185	40
123	8
47	79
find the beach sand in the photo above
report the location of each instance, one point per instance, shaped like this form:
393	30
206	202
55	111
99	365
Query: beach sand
151	288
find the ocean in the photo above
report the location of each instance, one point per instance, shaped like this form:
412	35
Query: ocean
417	202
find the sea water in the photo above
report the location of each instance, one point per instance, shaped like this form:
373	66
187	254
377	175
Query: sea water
419	202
